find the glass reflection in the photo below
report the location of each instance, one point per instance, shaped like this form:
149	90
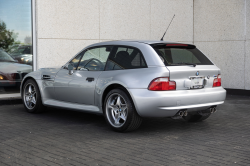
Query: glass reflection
16	57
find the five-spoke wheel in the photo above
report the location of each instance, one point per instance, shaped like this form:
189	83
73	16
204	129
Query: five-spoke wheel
120	112
31	97
116	109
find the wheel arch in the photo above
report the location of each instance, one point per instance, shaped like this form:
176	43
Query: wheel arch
23	82
26	79
116	86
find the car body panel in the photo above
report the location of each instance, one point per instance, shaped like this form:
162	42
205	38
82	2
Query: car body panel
75	88
59	88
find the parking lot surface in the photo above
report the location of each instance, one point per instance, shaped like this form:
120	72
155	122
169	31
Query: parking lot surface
64	137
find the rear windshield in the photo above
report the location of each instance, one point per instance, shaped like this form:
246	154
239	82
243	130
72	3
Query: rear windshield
181	55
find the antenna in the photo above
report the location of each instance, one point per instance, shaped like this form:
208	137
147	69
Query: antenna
167	28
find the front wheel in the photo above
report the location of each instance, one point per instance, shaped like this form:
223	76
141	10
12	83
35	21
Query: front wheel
31	97
120	113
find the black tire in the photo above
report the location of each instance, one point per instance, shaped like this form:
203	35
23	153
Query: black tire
133	120
196	117
38	107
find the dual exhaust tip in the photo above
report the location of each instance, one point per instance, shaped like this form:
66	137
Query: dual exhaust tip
183	113
213	110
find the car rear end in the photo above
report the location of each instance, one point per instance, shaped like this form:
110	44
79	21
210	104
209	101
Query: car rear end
193	84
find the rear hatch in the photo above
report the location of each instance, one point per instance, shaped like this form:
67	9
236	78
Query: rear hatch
188	66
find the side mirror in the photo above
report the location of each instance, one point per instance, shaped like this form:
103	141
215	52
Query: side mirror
70	68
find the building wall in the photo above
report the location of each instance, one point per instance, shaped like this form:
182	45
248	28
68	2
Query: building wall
218	28
220	32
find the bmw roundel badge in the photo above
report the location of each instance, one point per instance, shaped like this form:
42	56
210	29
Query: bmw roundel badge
197	73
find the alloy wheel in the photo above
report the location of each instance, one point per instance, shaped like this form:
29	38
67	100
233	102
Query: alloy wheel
30	96
116	110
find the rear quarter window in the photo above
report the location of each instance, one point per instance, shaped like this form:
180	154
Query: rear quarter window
125	57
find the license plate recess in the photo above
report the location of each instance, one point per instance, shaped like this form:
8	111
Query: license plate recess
197	82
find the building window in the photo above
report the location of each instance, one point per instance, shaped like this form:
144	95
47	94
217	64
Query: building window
16	47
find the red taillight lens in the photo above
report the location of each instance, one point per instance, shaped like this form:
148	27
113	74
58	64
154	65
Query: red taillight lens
217	81
162	84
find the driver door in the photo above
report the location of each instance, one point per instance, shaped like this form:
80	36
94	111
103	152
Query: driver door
81	83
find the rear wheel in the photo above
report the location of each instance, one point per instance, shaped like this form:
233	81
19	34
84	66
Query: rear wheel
120	113
31	97
196	116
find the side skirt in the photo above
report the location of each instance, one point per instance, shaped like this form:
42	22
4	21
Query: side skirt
75	106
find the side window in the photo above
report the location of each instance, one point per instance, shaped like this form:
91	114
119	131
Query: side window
75	61
123	57
95	59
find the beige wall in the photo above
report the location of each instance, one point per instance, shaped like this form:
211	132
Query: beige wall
220	32
217	27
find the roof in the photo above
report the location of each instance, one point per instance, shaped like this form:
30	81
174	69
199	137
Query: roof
131	42
140	41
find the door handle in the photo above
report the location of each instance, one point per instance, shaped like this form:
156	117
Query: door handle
90	79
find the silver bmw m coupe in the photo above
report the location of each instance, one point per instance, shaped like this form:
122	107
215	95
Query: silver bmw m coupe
128	80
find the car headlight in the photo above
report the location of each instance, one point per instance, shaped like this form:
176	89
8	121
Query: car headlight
2	77
27	60
22	59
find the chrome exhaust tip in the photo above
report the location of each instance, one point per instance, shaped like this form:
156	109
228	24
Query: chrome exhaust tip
185	113
211	110
181	113
215	109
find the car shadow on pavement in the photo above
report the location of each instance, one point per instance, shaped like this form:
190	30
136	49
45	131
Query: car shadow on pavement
70	117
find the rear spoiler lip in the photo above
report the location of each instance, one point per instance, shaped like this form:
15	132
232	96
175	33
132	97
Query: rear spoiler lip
172	45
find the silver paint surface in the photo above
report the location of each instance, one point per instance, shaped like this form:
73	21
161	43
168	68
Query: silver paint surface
74	92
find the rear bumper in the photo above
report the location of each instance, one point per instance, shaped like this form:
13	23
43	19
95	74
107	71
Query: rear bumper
168	103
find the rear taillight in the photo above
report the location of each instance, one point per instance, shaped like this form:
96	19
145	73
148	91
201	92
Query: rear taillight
217	81
162	84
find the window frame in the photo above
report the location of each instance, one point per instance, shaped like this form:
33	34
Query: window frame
34	34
